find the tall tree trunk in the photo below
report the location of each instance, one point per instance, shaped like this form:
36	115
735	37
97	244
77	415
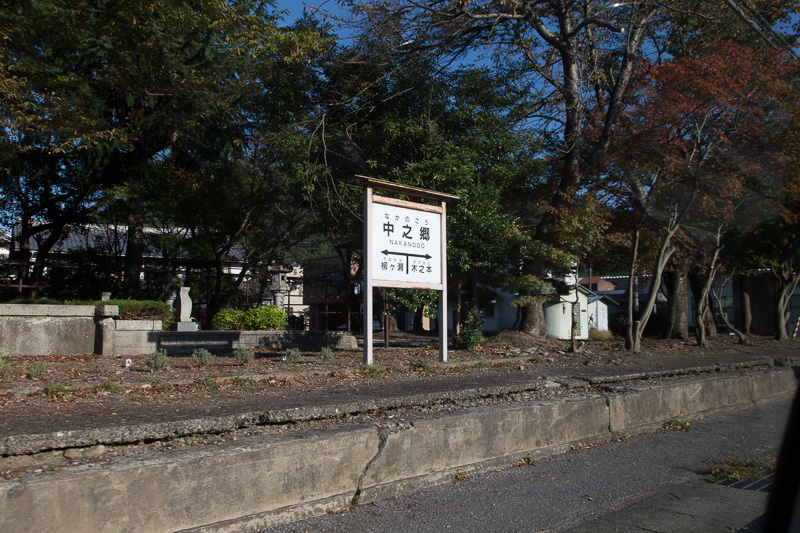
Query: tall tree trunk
457	284
532	312
704	317
718	298
532	321
631	341
134	251
636	328
419	313
677	282
787	282
747	311
705	309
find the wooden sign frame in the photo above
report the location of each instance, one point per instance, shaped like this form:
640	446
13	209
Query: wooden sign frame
411	217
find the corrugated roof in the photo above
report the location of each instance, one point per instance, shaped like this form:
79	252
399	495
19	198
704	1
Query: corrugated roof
113	240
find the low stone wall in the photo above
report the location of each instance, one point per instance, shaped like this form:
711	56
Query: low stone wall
86	329
187	341
50	329
260	482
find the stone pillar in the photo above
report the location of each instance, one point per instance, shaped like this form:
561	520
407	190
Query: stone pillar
105	329
184	322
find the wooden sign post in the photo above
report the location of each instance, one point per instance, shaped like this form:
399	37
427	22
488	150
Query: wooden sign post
405	246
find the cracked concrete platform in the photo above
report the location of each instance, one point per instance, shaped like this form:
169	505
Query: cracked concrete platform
268	474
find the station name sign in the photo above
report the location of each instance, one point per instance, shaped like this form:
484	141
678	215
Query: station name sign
406	243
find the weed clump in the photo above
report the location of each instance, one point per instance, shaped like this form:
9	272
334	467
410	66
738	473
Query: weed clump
157	360
292	355
676	425
37	369
107	386
207	384
57	391
5	367
326	353
420	365
244	356
739	465
203	357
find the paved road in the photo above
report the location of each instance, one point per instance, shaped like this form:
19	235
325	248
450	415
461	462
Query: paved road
649	482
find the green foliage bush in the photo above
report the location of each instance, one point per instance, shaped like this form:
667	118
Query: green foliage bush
157	360
144	310
471	332
229	319
128	309
267	317
36	301
203	357
243	355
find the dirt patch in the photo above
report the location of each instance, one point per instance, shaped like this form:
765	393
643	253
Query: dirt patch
89	378
45	394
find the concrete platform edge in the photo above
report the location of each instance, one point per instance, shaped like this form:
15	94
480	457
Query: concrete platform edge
279	481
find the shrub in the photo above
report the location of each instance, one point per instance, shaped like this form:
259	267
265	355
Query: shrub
157	360
229	319
138	310
128	309
265	317
243	355
37	369
296	322
36	301
326	353
203	357
600	335
292	355
471	332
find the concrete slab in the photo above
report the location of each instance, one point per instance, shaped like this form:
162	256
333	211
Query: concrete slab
695	506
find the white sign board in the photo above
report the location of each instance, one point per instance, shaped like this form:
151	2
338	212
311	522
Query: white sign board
406	245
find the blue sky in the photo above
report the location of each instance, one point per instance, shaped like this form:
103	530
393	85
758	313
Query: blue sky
295	7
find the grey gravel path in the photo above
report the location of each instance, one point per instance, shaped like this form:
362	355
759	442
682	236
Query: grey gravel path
649	482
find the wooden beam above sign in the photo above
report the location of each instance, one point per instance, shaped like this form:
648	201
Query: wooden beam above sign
383	185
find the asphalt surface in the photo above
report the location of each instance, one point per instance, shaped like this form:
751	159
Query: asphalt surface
652	482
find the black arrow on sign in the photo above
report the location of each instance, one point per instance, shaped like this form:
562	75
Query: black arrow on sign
387	252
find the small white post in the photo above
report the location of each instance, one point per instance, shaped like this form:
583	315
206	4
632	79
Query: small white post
366	325
443	294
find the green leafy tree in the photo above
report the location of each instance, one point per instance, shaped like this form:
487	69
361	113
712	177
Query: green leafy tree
576	61
102	100
438	130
